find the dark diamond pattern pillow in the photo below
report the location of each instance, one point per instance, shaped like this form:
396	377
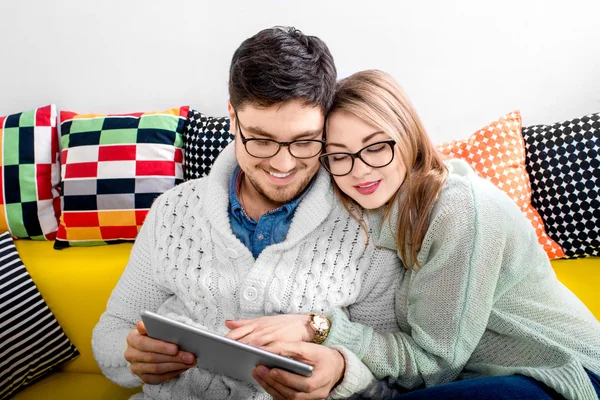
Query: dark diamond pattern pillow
564	164
203	139
31	340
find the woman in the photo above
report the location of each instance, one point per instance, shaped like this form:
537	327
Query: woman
479	298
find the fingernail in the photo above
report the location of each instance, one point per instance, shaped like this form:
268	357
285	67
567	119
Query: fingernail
188	358
262	371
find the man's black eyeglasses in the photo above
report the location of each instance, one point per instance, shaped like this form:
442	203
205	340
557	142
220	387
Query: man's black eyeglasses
266	148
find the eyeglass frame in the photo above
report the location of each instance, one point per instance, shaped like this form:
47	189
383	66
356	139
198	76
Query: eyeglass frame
354	156
280	144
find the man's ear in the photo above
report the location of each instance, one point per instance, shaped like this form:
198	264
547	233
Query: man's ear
232	121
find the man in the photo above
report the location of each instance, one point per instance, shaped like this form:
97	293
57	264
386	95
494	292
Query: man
262	235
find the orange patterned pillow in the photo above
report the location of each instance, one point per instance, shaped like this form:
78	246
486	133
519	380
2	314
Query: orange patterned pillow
497	153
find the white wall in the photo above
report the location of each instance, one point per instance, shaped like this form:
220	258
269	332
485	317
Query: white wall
464	63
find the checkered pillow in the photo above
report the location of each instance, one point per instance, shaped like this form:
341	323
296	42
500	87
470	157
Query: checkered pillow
29	202
112	168
203	139
563	160
497	153
31	340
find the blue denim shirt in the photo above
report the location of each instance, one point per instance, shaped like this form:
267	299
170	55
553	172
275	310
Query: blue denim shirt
270	229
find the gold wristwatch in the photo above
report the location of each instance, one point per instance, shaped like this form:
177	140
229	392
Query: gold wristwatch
320	324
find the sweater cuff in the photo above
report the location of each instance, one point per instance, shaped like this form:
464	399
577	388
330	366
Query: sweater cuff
112	361
354	337
123	376
357	377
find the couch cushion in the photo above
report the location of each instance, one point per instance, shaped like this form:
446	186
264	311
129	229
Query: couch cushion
203	139
29	198
497	153
31	340
69	385
112	169
76	285
563	160
582	276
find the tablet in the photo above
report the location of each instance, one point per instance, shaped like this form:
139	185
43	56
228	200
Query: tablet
218	353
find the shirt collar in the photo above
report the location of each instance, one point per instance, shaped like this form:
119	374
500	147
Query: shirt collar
234	195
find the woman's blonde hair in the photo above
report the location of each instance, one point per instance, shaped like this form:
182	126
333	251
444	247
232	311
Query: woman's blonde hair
376	98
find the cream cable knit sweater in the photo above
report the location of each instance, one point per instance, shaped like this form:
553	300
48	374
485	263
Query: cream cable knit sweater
485	302
187	264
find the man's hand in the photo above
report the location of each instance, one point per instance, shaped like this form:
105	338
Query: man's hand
328	369
264	330
153	360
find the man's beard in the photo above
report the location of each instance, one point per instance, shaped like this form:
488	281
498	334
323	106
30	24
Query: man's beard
281	196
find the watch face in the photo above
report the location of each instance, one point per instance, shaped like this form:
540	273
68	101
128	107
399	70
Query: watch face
320	322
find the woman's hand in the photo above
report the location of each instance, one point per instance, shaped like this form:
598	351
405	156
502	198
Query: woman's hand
328	369
264	330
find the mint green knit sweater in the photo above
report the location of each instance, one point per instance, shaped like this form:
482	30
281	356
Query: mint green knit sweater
484	302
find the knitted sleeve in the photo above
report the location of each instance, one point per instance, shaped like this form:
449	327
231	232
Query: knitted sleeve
136	290
373	308
449	299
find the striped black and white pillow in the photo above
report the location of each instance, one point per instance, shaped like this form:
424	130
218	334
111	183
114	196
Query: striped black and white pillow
31	340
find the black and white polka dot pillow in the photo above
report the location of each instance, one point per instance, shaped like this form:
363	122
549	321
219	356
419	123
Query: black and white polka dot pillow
563	161
203	139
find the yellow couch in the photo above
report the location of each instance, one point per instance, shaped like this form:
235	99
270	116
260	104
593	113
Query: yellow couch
77	282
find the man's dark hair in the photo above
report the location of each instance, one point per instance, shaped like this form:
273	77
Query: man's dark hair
280	64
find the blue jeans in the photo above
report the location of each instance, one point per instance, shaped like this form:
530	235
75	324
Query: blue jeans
492	388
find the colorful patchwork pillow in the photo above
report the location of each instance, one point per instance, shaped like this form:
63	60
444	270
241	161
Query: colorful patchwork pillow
563	160
203	139
497	153
29	176
31	340
113	166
